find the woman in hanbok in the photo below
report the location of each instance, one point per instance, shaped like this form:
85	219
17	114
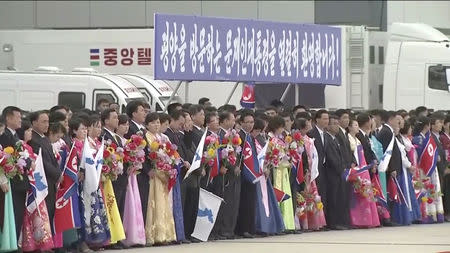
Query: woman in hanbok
269	220
177	207
8	239
160	226
411	156
363	209
430	199
95	231
313	219
281	172
133	221
36	231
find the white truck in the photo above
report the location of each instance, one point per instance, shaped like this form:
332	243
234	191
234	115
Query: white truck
47	87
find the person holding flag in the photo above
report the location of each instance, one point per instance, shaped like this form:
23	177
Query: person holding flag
427	173
36	232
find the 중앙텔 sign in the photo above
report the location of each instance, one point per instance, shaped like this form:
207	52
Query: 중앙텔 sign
220	49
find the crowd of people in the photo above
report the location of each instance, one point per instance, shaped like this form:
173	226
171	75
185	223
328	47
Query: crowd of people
321	170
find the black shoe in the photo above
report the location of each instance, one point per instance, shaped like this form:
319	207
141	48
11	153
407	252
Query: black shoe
185	241
297	232
228	236
237	237
220	237
212	238
248	235
194	240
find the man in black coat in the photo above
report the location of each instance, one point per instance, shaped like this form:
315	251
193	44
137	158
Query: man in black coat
13	121
136	113
110	122
320	142
337	209
437	122
385	136
364	122
40	123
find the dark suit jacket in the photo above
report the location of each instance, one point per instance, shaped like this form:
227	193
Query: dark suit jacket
314	133
107	136
369	155
196	136
442	159
347	154
334	162
385	137
7	139
146	166
51	167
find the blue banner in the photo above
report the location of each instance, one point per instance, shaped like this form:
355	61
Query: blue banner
222	49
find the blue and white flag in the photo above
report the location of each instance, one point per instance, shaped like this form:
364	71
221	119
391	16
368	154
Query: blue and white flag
196	162
208	208
384	161
39	186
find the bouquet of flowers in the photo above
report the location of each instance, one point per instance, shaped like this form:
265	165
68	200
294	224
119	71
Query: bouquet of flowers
165	157
230	148
295	146
13	161
425	187
112	161
307	202
212	145
276	154
134	154
363	187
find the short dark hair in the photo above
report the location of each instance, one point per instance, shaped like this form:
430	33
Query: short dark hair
224	116
299	124
341	112
59	107
133	106
276	103
436	116
194	109
319	114
210	109
74	124
421	109
259	124
363	118
271	108
106	114
26	124
387	115
103	100
420	124
227	107
9	111
303	115
94	118
186	106
56	127
286	114
406	127
35	115
175	115
123	118
275	123
163	117
151	117
299	107
57	116
172	107
334	116
245	113
203	100
209	116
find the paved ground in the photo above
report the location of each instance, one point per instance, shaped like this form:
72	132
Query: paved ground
411	239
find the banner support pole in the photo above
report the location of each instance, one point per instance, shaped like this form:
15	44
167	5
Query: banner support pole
173	95
285	92
232	92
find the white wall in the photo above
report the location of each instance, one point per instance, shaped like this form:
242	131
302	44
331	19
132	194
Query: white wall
434	13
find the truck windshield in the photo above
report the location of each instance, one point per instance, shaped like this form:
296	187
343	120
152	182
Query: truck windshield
128	100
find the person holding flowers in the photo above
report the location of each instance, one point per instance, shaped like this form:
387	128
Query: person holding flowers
160	226
277	161
114	179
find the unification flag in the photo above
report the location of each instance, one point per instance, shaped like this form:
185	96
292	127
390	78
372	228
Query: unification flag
67	214
39	186
208	207
196	162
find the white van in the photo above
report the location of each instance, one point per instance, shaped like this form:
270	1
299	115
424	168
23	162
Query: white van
156	92
38	90
417	68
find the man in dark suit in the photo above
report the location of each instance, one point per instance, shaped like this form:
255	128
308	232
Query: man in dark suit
365	125
40	123
344	120
337	209
385	136
110	122
136	113
321	119
13	121
437	122
245	225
